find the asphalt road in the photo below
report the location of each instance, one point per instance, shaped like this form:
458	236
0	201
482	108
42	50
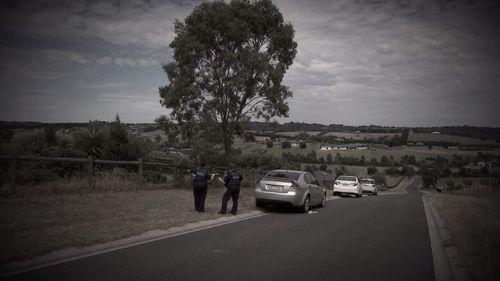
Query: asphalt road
368	238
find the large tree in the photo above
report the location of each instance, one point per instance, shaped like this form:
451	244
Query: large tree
228	67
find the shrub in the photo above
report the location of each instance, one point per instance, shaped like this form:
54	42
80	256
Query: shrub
430	175
450	184
371	170
32	142
286	144
91	140
379	179
393	171
35	176
6	135
308	168
323	167
269	144
408	171
329	158
467	182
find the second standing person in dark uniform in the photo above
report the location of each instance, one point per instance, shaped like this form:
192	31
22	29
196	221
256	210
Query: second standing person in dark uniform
232	181
200	186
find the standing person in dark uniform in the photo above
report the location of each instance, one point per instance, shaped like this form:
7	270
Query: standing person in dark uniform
232	181
200	185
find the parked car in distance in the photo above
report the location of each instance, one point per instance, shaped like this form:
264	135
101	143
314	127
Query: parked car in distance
368	185
290	187
347	185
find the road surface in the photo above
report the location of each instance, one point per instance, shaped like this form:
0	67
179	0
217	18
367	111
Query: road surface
368	238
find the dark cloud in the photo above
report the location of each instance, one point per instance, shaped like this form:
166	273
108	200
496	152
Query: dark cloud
392	62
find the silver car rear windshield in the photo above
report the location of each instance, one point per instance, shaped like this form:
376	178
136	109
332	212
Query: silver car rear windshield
346	178
284	174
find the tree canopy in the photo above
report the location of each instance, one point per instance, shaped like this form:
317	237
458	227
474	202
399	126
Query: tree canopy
228	67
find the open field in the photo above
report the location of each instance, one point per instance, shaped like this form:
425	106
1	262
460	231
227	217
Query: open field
420	153
361	136
429	137
293	134
475	181
36	225
475	229
470	185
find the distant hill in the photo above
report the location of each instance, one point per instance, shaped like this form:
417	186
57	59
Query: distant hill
482	133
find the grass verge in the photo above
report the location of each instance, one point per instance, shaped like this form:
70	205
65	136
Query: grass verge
35	225
474	226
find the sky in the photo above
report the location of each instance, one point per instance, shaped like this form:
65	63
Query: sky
359	62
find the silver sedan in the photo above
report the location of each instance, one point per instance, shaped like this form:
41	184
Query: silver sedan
289	187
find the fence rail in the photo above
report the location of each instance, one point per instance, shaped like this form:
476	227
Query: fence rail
91	164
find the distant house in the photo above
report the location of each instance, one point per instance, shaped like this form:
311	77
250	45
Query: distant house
295	144
339	147
436	133
359	146
261	139
352	146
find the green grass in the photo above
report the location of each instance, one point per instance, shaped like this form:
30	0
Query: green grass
428	137
470	185
420	153
36	225
293	134
360	136
475	229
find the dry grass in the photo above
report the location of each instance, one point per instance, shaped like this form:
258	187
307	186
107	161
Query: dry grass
35	225
429	137
474	224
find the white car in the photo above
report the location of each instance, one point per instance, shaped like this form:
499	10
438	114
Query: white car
368	185
347	185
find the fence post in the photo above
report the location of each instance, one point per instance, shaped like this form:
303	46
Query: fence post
91	172
12	172
141	180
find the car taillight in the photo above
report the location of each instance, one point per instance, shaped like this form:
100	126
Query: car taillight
295	184
337	183
356	184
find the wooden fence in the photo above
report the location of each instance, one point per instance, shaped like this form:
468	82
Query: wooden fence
91	163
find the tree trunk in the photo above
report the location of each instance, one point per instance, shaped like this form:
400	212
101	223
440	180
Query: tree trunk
227	150
227	133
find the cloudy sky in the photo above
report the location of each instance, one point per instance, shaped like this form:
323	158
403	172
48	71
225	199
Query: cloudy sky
359	62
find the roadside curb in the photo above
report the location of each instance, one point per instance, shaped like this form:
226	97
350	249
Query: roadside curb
71	254
447	263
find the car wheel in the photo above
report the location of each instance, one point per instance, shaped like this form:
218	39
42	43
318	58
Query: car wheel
306	205
259	204
323	201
